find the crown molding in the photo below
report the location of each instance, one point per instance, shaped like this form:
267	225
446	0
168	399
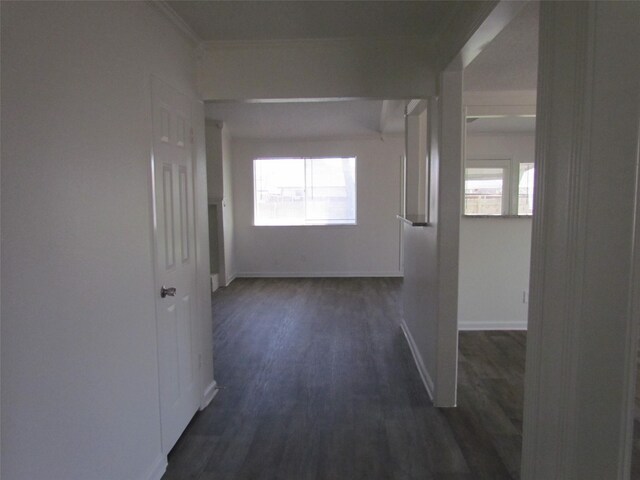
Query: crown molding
184	28
412	40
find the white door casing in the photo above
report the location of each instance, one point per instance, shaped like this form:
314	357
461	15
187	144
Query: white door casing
174	240
583	315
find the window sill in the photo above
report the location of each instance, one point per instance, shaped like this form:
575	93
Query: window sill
497	216
414	220
305	225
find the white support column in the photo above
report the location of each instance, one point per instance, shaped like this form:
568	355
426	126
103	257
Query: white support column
412	166
430	287
448	175
416	163
584	290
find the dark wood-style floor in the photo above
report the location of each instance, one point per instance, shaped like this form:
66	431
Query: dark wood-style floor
318	383
635	457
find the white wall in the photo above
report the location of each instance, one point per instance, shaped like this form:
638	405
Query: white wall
214	243
219	180
495	253
416	175
328	68
220	189
213	136
372	247
215	197
79	360
228	219
420	302
430	288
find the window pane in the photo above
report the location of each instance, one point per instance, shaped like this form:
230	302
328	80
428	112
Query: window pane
331	192
525	189
298	191
483	191
279	191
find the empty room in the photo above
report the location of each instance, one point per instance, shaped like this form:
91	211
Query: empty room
319	240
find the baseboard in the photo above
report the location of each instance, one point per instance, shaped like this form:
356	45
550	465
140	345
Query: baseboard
214	282
157	469
417	358
208	395
230	279
478	326
318	274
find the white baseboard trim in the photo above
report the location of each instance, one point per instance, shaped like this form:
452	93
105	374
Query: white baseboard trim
214	282
478	326
231	279
157	469
417	358
318	274
208	395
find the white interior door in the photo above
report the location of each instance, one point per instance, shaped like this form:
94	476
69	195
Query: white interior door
174	231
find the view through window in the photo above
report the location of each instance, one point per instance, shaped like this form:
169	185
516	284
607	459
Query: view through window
483	191
498	187
525	189
305	191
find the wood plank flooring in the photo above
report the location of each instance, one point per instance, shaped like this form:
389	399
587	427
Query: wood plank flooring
318	383
635	457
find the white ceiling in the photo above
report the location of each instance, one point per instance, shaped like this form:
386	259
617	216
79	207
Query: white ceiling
274	20
508	63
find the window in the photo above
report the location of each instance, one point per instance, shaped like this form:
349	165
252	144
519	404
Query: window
304	191
498	187
525	189
484	186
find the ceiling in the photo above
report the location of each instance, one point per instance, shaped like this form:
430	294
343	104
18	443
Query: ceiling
278	20
510	61
507	63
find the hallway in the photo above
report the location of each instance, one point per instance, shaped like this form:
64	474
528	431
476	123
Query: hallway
318	383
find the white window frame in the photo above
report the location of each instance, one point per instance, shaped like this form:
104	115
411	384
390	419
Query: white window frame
308	223
516	187
510	183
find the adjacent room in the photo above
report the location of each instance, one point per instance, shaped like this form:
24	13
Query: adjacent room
317	377
307	189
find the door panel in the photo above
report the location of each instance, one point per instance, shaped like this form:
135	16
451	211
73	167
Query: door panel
167	217
175	266
184	214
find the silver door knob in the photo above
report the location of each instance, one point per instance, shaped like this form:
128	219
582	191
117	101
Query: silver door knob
167	292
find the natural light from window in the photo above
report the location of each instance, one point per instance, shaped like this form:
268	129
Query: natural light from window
304	191
483	191
525	189
498	188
